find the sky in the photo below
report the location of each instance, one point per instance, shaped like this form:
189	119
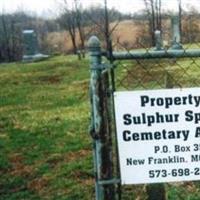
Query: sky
49	7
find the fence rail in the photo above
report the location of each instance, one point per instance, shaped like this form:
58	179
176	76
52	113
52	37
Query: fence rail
155	54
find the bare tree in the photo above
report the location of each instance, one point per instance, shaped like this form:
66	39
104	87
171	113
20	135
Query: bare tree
158	14
154	14
190	26
10	41
180	15
11	27
67	20
101	18
107	27
6	37
79	23
71	20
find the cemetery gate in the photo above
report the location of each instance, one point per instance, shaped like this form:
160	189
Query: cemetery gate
176	66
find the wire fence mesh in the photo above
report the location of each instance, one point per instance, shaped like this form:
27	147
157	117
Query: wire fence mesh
146	74
156	74
159	73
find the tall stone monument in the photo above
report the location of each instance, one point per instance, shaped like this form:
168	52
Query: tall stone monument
30	46
176	35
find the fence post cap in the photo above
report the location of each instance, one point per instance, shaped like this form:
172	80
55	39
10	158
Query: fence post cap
94	42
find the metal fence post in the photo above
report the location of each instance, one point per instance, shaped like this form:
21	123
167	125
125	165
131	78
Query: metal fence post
100	124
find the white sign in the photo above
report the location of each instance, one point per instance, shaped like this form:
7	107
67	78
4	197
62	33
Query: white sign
158	135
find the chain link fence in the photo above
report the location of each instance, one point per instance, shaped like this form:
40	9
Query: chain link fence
160	73
157	73
172	62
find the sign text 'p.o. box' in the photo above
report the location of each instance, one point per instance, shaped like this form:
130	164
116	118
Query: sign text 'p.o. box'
158	135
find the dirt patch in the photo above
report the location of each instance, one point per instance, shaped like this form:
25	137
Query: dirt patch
50	79
18	168
55	159
21	170
83	177
74	156
16	159
80	174
38	183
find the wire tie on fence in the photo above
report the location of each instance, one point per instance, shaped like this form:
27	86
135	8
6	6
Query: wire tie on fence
109	182
107	66
110	92
93	134
104	53
96	67
102	66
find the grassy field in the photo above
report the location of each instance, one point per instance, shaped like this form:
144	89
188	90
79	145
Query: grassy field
45	148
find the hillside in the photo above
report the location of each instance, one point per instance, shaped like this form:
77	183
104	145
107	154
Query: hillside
45	147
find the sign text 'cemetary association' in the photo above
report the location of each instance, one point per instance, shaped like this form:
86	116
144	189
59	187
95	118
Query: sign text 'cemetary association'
158	135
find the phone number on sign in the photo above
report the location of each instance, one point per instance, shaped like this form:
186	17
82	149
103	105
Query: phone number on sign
174	173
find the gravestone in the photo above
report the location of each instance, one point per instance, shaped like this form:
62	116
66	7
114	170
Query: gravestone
30	46
159	42
176	36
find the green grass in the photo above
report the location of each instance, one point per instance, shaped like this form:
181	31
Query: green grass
45	148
